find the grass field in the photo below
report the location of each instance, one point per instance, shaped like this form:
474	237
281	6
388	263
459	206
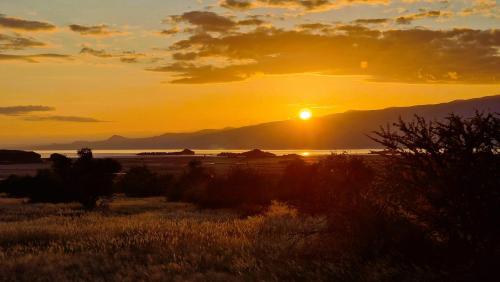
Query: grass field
151	239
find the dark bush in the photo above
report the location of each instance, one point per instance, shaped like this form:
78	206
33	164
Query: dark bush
191	185
92	178
339	182
240	188
140	181
84	180
445	176
17	186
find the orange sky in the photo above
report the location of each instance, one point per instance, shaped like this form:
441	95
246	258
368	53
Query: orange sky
116	73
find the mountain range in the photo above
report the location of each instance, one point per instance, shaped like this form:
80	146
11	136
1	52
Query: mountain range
346	130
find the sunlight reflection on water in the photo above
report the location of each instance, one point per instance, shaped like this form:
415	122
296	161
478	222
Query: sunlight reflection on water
124	153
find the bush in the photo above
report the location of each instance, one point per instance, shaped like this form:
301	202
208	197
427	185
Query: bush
191	185
242	188
84	180
446	177
336	183
140	181
92	178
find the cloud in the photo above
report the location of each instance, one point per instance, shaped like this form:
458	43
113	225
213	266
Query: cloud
21	110
17	42
372	21
25	113
95	52
408	19
125	57
170	31
185	56
309	5
406	55
96	30
482	7
206	21
32	58
27	25
63	119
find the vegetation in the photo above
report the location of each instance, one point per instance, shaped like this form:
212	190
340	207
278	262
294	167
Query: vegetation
446	177
140	181
428	213
15	156
84	180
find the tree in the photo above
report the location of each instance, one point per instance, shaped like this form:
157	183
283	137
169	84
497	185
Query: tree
92	178
140	181
191	184
445	175
84	180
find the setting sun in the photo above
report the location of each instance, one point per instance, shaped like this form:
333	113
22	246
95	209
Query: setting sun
305	114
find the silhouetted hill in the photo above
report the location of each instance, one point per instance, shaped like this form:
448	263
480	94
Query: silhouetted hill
19	157
337	131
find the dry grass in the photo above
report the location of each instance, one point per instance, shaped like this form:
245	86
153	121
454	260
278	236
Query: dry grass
150	240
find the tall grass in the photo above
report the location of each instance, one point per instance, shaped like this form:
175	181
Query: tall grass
149	239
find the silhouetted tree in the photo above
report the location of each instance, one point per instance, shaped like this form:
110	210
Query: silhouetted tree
85	154
93	178
191	184
84	180
242	188
337	182
445	175
140	181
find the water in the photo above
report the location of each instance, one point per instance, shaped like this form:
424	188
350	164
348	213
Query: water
133	153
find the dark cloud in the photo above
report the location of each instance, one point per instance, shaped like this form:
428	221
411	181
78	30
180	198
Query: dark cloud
170	31
408	19
63	119
206	21
99	30
304	4
32	58
125	57
21	110
371	21
185	56
95	52
252	20
21	24
25	111
409	56
237	4
17	42
130	57
319	27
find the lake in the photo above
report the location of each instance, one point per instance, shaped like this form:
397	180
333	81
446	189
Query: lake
123	153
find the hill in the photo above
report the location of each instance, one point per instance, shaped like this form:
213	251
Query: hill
346	130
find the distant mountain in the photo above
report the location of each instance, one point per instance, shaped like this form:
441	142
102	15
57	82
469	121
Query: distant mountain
337	131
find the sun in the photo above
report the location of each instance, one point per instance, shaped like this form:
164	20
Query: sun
305	114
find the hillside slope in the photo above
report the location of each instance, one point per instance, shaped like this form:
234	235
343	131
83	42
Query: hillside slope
346	130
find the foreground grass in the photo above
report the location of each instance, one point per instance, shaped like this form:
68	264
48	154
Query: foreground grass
150	239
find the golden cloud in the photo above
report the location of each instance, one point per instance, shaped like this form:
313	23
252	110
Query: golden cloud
410	55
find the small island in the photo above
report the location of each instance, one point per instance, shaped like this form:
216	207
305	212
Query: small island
185	152
19	157
253	154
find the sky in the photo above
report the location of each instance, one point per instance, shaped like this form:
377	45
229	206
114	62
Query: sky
86	70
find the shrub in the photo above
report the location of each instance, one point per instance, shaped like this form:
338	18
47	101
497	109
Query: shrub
84	180
445	175
336	183
242	188
17	186
140	181
191	184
